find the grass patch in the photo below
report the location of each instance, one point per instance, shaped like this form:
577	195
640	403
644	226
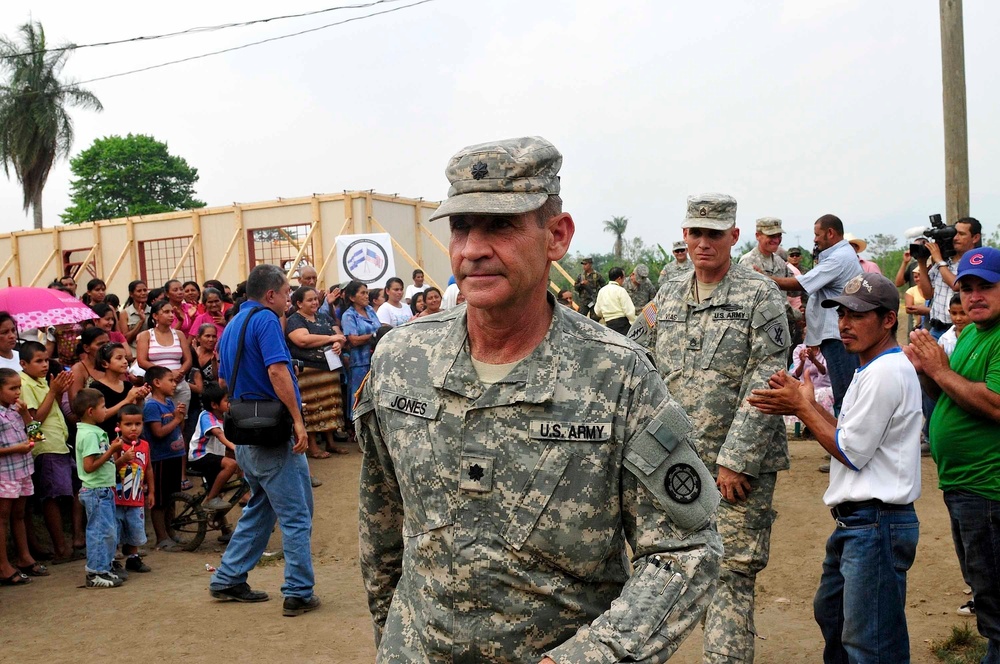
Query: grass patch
964	646
271	560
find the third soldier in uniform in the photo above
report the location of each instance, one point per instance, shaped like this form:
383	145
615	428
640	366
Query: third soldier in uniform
718	333
512	448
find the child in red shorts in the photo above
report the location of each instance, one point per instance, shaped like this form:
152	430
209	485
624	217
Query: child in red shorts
134	489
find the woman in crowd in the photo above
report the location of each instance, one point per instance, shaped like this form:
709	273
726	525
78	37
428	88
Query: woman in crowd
183	312
107	321
393	311
192	296
133	318
96	290
86	371
8	339
163	345
204	356
227	301
213	312
114	384
376	298
417	303
432	302
309	333
360	325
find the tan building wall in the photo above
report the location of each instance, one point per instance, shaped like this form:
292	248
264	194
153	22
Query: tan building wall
225	243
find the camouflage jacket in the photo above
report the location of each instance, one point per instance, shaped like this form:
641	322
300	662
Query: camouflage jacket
587	286
674	268
641	293
494	518
712	354
775	266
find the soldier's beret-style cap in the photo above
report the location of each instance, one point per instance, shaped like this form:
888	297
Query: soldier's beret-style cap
511	176
713	211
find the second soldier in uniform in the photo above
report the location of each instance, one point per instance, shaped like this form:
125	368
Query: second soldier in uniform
718	333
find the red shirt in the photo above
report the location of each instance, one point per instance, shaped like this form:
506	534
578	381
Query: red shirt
130	482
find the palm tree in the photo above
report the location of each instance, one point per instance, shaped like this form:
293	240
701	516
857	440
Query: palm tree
617	226
35	128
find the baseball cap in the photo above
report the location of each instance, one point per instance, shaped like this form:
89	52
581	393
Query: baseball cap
714	211
769	226
866	292
680	245
982	262
512	176
795	251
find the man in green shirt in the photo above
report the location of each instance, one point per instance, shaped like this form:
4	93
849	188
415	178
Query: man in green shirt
963	436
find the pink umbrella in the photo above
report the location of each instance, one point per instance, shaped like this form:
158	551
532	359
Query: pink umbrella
41	307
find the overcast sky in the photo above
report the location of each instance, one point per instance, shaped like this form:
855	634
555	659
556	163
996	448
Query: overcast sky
795	108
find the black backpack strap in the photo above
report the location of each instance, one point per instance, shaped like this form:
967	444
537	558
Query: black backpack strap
239	348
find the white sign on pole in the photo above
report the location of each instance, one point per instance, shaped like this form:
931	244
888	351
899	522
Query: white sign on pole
366	258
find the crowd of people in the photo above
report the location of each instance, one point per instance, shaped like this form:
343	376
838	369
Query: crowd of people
100	420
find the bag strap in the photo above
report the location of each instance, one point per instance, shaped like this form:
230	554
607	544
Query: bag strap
239	347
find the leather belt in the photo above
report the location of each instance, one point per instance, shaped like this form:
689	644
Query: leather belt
848	508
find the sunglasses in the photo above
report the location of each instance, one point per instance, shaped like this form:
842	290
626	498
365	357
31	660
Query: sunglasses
679	251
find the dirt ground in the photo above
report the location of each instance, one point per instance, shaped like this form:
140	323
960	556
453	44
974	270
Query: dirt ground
168	616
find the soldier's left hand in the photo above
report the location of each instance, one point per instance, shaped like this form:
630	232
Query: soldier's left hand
734	487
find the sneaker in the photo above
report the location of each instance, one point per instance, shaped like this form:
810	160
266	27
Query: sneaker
967	609
824	468
216	504
296	606
119	570
103	580
241	592
136	564
224	538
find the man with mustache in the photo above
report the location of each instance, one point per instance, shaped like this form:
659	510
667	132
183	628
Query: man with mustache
716	333
963	432
513	447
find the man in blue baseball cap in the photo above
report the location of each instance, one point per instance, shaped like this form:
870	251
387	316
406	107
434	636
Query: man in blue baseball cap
963	436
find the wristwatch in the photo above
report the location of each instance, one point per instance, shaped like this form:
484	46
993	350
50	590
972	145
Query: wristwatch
941	264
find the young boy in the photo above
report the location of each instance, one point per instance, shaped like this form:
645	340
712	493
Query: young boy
133	488
53	478
96	469
959	319
207	453
163	427
15	480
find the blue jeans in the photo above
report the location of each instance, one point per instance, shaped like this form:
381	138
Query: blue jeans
280	491
861	600
102	527
975	529
841	366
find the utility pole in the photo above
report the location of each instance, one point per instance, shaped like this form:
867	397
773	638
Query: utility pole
956	132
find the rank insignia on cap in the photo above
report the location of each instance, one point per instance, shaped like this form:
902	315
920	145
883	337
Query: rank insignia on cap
479	170
682	483
703	211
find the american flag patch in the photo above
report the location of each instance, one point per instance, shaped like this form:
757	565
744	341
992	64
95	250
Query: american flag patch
649	315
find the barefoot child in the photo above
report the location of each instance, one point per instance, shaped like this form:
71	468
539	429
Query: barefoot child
96	468
16	466
53	479
163	424
207	452
134	488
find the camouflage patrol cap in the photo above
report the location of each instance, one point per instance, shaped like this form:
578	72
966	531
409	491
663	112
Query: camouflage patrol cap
512	176
714	211
769	226
680	245
866	292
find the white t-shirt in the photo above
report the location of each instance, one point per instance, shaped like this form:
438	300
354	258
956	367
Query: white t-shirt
879	433
13	363
413	289
395	316
948	341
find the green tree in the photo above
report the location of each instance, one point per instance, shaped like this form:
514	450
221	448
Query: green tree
882	243
617	226
35	128
118	177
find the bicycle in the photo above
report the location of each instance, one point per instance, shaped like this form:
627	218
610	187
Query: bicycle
191	521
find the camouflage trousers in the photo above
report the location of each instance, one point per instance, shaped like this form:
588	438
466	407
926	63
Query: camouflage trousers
746	536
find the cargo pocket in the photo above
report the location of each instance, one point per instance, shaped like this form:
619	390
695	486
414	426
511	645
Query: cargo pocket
746	536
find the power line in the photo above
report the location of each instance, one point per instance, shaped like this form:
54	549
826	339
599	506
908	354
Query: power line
194	30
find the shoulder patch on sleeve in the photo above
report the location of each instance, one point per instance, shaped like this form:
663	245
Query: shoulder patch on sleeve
768	311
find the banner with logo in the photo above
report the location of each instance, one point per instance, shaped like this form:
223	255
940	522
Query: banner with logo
366	258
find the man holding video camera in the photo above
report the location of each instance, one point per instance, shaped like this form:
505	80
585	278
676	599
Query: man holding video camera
937	268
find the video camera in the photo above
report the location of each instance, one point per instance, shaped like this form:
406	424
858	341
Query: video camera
940	233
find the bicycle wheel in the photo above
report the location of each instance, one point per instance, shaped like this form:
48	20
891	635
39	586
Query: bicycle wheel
190	522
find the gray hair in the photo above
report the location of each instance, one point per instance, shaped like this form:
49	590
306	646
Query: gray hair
263	278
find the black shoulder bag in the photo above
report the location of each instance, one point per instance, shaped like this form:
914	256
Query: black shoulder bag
262	421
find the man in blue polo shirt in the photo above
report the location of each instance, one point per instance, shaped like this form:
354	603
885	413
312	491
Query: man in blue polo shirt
278	476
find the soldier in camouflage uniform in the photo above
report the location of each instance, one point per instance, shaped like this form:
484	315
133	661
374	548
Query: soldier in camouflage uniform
681	262
513	447
718	333
764	259
639	287
587	285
